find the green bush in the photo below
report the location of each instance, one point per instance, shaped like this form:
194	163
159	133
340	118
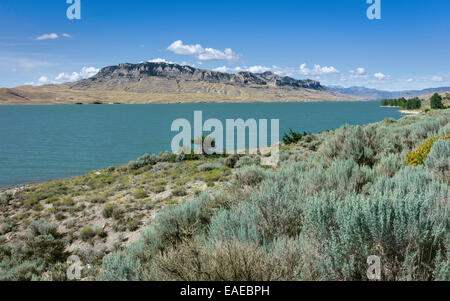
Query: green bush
87	233
402	221
5	228
438	161
248	160
146	160
120	267
436	101
232	261
231	160
5	198
18	269
293	137
42	249
249	175
108	210
179	191
159	189
359	143
43	227
389	165
133	165
209	166
141	194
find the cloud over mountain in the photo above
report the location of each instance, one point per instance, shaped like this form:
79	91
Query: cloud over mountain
203	54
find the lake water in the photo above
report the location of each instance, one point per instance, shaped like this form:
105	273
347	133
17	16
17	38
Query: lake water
40	143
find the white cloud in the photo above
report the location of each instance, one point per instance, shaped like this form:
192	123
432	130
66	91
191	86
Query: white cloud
317	70
252	69
258	69
85	72
358	73
160	60
223	69
43	80
203	54
282	71
380	76
211	54
48	36
53	36
179	48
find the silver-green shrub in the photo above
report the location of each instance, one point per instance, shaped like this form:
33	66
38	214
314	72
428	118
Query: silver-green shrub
438	161
404	221
250	175
248	160
318	216
120	266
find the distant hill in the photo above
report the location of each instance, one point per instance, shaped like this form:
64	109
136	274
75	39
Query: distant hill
172	83
380	94
128	75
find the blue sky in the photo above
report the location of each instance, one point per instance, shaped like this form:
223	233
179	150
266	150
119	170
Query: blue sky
328	40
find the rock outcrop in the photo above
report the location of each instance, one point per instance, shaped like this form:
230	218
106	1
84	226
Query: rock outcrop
120	76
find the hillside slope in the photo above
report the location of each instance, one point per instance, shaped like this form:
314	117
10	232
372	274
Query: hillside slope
368	93
335	198
172	83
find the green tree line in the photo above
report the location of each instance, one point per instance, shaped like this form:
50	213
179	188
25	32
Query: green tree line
407	104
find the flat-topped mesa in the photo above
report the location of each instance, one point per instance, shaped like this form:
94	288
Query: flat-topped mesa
129	73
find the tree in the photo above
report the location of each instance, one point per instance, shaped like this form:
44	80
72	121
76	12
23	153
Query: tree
293	137
436	101
447	96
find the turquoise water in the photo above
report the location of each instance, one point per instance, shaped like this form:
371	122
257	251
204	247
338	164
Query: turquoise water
40	143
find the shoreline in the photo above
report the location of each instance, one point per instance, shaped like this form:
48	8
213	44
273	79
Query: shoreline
410	112
186	102
17	187
404	111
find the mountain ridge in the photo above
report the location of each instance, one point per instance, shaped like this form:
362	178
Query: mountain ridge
369	93
133	72
161	82
172	83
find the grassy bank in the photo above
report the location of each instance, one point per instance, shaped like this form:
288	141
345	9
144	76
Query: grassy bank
336	198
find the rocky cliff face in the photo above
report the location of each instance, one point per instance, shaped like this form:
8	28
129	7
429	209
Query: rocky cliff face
122	75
